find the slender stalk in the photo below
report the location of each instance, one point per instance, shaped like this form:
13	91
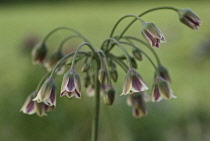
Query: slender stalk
91	47
95	123
144	43
42	81
63	28
65	40
153	64
63	60
106	66
117	23
140	15
120	63
122	48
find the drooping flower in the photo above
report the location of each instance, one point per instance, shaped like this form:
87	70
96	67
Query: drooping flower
31	107
71	84
46	93
56	56
161	90
137	102
39	53
189	18
109	94
133	83
152	34
164	73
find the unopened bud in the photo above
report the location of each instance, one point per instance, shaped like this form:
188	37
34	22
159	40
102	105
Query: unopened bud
133	63
109	95
39	53
114	75
102	75
85	67
137	54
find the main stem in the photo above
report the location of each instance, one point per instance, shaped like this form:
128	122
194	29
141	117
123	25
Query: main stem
97	106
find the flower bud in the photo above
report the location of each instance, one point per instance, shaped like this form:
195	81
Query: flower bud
133	83
137	54
133	63
71	85
109	95
56	56
152	34
39	53
137	102
161	90
114	75
85	67
189	18
102	75
46	93
164	73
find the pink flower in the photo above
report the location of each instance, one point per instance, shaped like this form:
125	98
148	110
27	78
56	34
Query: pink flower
71	85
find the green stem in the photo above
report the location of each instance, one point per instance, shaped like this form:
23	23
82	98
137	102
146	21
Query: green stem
140	15
80	46
95	124
63	60
122	48
42	81
65	40
117	23
106	66
153	64
144	43
63	28
120	63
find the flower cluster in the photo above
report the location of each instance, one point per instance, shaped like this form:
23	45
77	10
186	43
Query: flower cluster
100	68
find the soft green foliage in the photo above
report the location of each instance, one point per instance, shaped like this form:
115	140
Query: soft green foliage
185	118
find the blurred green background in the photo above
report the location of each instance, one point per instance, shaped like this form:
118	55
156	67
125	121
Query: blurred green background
183	119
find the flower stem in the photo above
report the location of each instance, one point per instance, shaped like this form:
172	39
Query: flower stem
144	43
95	122
63	28
153	64
140	15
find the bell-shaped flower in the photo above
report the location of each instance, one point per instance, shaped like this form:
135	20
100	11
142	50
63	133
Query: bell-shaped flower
152	34
133	83
189	18
71	84
39	53
109	94
53	60
29	106
161	90
137	102
46	93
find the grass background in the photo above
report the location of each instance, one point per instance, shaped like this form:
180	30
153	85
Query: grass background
185	118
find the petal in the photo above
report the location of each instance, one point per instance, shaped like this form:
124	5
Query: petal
77	82
70	87
64	82
156	94
136	85
127	85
